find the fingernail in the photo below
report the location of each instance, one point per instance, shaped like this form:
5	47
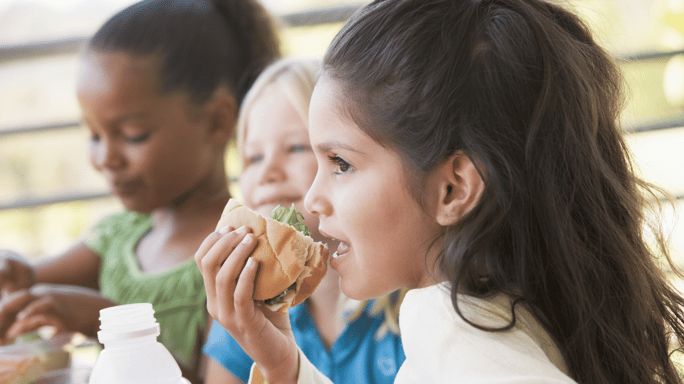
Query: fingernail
247	239
224	230
242	229
250	263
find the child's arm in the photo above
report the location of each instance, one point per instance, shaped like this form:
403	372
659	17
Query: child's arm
27	305
79	265
229	281
308	374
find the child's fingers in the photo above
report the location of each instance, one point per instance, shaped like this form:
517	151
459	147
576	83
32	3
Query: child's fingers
244	289
33	323
212	262
268	334
42	305
206	245
221	249
227	277
10	306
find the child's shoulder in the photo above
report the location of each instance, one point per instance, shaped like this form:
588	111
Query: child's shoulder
435	302
120	224
124	219
431	328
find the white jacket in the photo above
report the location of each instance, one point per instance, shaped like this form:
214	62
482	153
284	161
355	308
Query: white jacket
441	347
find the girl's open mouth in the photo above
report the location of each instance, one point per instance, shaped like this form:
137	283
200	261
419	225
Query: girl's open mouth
342	249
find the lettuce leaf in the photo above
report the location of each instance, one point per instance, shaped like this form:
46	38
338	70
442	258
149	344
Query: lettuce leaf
291	217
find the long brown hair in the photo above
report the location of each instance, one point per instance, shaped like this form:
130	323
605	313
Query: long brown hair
522	88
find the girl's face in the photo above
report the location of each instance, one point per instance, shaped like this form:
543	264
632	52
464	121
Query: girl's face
362	198
154	150
278	164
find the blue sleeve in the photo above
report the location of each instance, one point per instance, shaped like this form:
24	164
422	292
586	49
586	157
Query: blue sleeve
225	350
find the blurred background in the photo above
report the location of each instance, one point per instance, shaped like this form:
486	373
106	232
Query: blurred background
49	194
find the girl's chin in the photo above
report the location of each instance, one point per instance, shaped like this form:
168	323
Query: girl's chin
134	206
356	292
265	212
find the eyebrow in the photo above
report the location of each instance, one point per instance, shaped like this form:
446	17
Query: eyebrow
132	116
329	146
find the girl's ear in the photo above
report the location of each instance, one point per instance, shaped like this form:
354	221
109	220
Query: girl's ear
459	188
223	113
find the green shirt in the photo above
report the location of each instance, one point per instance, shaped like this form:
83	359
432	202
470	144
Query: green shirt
177	294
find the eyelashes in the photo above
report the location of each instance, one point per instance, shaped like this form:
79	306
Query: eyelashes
342	166
137	139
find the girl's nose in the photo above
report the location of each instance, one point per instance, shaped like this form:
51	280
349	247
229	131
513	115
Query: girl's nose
315	201
272	169
105	155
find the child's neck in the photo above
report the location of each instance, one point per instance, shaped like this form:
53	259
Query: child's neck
191	213
177	232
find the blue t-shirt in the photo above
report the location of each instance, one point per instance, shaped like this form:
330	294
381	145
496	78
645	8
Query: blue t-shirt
355	357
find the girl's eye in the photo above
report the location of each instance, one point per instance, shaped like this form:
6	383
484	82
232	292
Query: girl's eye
342	165
138	138
300	148
253	159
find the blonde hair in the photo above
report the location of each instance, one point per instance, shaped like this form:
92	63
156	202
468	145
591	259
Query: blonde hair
297	77
388	306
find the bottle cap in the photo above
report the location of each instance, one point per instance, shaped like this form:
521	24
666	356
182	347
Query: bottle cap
127	322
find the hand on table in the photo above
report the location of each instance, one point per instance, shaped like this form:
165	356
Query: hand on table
264	335
67	308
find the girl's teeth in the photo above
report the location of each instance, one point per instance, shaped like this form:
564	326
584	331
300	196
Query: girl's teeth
342	250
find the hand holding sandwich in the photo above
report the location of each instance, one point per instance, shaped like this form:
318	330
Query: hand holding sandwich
244	293
229	287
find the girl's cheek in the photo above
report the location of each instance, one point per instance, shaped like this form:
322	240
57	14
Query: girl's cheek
95	156
246	187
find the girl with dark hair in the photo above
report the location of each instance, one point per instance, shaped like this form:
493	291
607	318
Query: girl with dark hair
356	341
469	150
160	85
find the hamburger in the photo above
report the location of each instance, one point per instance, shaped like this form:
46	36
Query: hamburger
291	263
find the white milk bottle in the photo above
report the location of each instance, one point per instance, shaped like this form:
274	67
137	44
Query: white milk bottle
132	354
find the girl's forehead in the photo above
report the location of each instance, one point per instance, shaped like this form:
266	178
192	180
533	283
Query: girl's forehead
273	113
122	61
327	98
117	67
331	105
